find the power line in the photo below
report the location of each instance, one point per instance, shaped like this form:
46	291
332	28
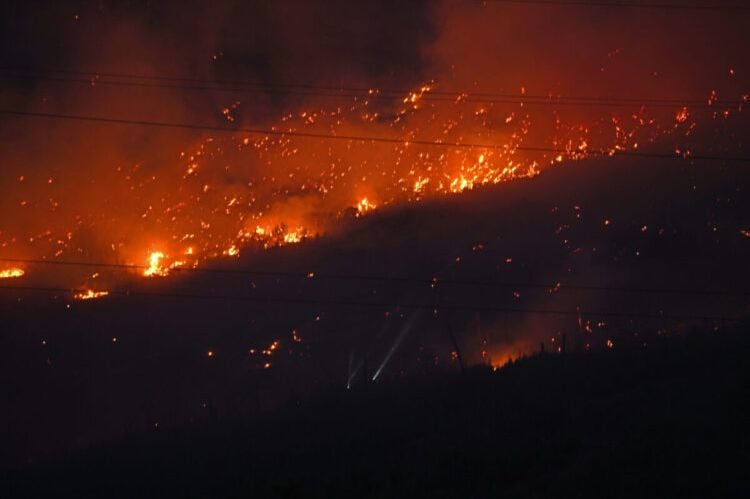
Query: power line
93	78
526	101
382	278
378	305
358	138
633	5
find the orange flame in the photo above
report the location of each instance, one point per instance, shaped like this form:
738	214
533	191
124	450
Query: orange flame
155	267
11	273
90	295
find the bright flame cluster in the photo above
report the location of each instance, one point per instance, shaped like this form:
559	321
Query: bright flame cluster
155	267
364	206
11	273
90	294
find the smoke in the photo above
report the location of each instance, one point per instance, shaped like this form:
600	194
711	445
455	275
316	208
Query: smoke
625	52
65	178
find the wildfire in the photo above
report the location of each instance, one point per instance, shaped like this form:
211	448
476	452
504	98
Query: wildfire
271	236
292	237
460	184
90	294
155	267
364	206
294	189
499	355
420	183
11	273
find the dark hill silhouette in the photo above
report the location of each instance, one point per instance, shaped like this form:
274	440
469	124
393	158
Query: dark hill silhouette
665	422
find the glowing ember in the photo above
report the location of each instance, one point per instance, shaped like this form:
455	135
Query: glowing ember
11	273
682	115
90	294
155	267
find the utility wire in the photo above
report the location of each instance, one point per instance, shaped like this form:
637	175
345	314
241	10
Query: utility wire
632	5
359	138
94	78
536	101
378	305
382	278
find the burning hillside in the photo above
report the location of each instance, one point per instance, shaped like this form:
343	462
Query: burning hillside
314	167
201	189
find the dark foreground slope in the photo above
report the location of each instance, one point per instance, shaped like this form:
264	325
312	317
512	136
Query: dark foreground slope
627	250
668	421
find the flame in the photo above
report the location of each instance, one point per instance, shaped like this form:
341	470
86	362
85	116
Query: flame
155	267
292	237
90	294
364	206
272	236
460	184
11	273
420	183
